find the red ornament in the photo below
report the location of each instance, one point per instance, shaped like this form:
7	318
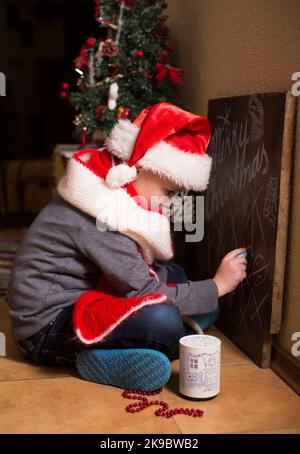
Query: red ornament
140	53
163	411
63	94
90	42
65	86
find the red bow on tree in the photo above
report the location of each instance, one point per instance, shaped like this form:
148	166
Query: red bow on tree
164	69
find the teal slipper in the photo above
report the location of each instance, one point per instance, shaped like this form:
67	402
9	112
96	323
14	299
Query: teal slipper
137	369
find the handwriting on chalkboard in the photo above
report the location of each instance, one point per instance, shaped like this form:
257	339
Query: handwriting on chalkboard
231	138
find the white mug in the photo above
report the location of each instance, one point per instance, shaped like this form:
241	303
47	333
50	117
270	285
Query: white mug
200	364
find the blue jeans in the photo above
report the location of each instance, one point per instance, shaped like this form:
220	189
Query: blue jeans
158	327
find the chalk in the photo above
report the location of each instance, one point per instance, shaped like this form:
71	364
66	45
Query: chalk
242	254
249	253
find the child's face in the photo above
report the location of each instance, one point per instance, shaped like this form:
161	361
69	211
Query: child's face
156	191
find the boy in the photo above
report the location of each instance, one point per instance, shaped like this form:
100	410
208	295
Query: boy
92	280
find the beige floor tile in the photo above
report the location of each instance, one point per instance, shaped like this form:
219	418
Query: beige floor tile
71	405
13	366
251	399
19	369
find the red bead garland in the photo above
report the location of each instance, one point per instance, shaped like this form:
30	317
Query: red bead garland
145	403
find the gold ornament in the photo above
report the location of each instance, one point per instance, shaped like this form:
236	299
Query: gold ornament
77	120
123	112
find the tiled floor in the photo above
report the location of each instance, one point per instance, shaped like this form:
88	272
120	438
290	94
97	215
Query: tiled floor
49	400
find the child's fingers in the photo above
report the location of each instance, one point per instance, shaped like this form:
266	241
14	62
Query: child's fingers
241	260
240	267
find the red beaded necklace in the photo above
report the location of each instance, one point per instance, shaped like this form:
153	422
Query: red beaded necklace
145	403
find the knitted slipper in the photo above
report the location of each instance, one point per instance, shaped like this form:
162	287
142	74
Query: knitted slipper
137	369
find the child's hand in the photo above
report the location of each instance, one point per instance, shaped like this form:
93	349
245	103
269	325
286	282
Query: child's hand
231	271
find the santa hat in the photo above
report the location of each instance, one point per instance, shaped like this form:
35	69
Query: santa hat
166	140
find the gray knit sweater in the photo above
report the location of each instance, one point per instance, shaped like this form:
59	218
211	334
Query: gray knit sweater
63	254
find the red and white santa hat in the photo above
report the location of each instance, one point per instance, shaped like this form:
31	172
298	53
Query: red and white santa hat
166	140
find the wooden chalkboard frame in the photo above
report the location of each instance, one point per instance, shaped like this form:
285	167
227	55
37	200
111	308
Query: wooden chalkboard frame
283	213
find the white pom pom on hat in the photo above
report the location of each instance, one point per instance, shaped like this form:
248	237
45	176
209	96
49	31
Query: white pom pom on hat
120	175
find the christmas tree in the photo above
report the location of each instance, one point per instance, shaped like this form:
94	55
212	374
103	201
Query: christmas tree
127	68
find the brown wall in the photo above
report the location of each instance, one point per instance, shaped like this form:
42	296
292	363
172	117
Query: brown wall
236	47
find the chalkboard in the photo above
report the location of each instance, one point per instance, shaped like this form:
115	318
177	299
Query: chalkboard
246	204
